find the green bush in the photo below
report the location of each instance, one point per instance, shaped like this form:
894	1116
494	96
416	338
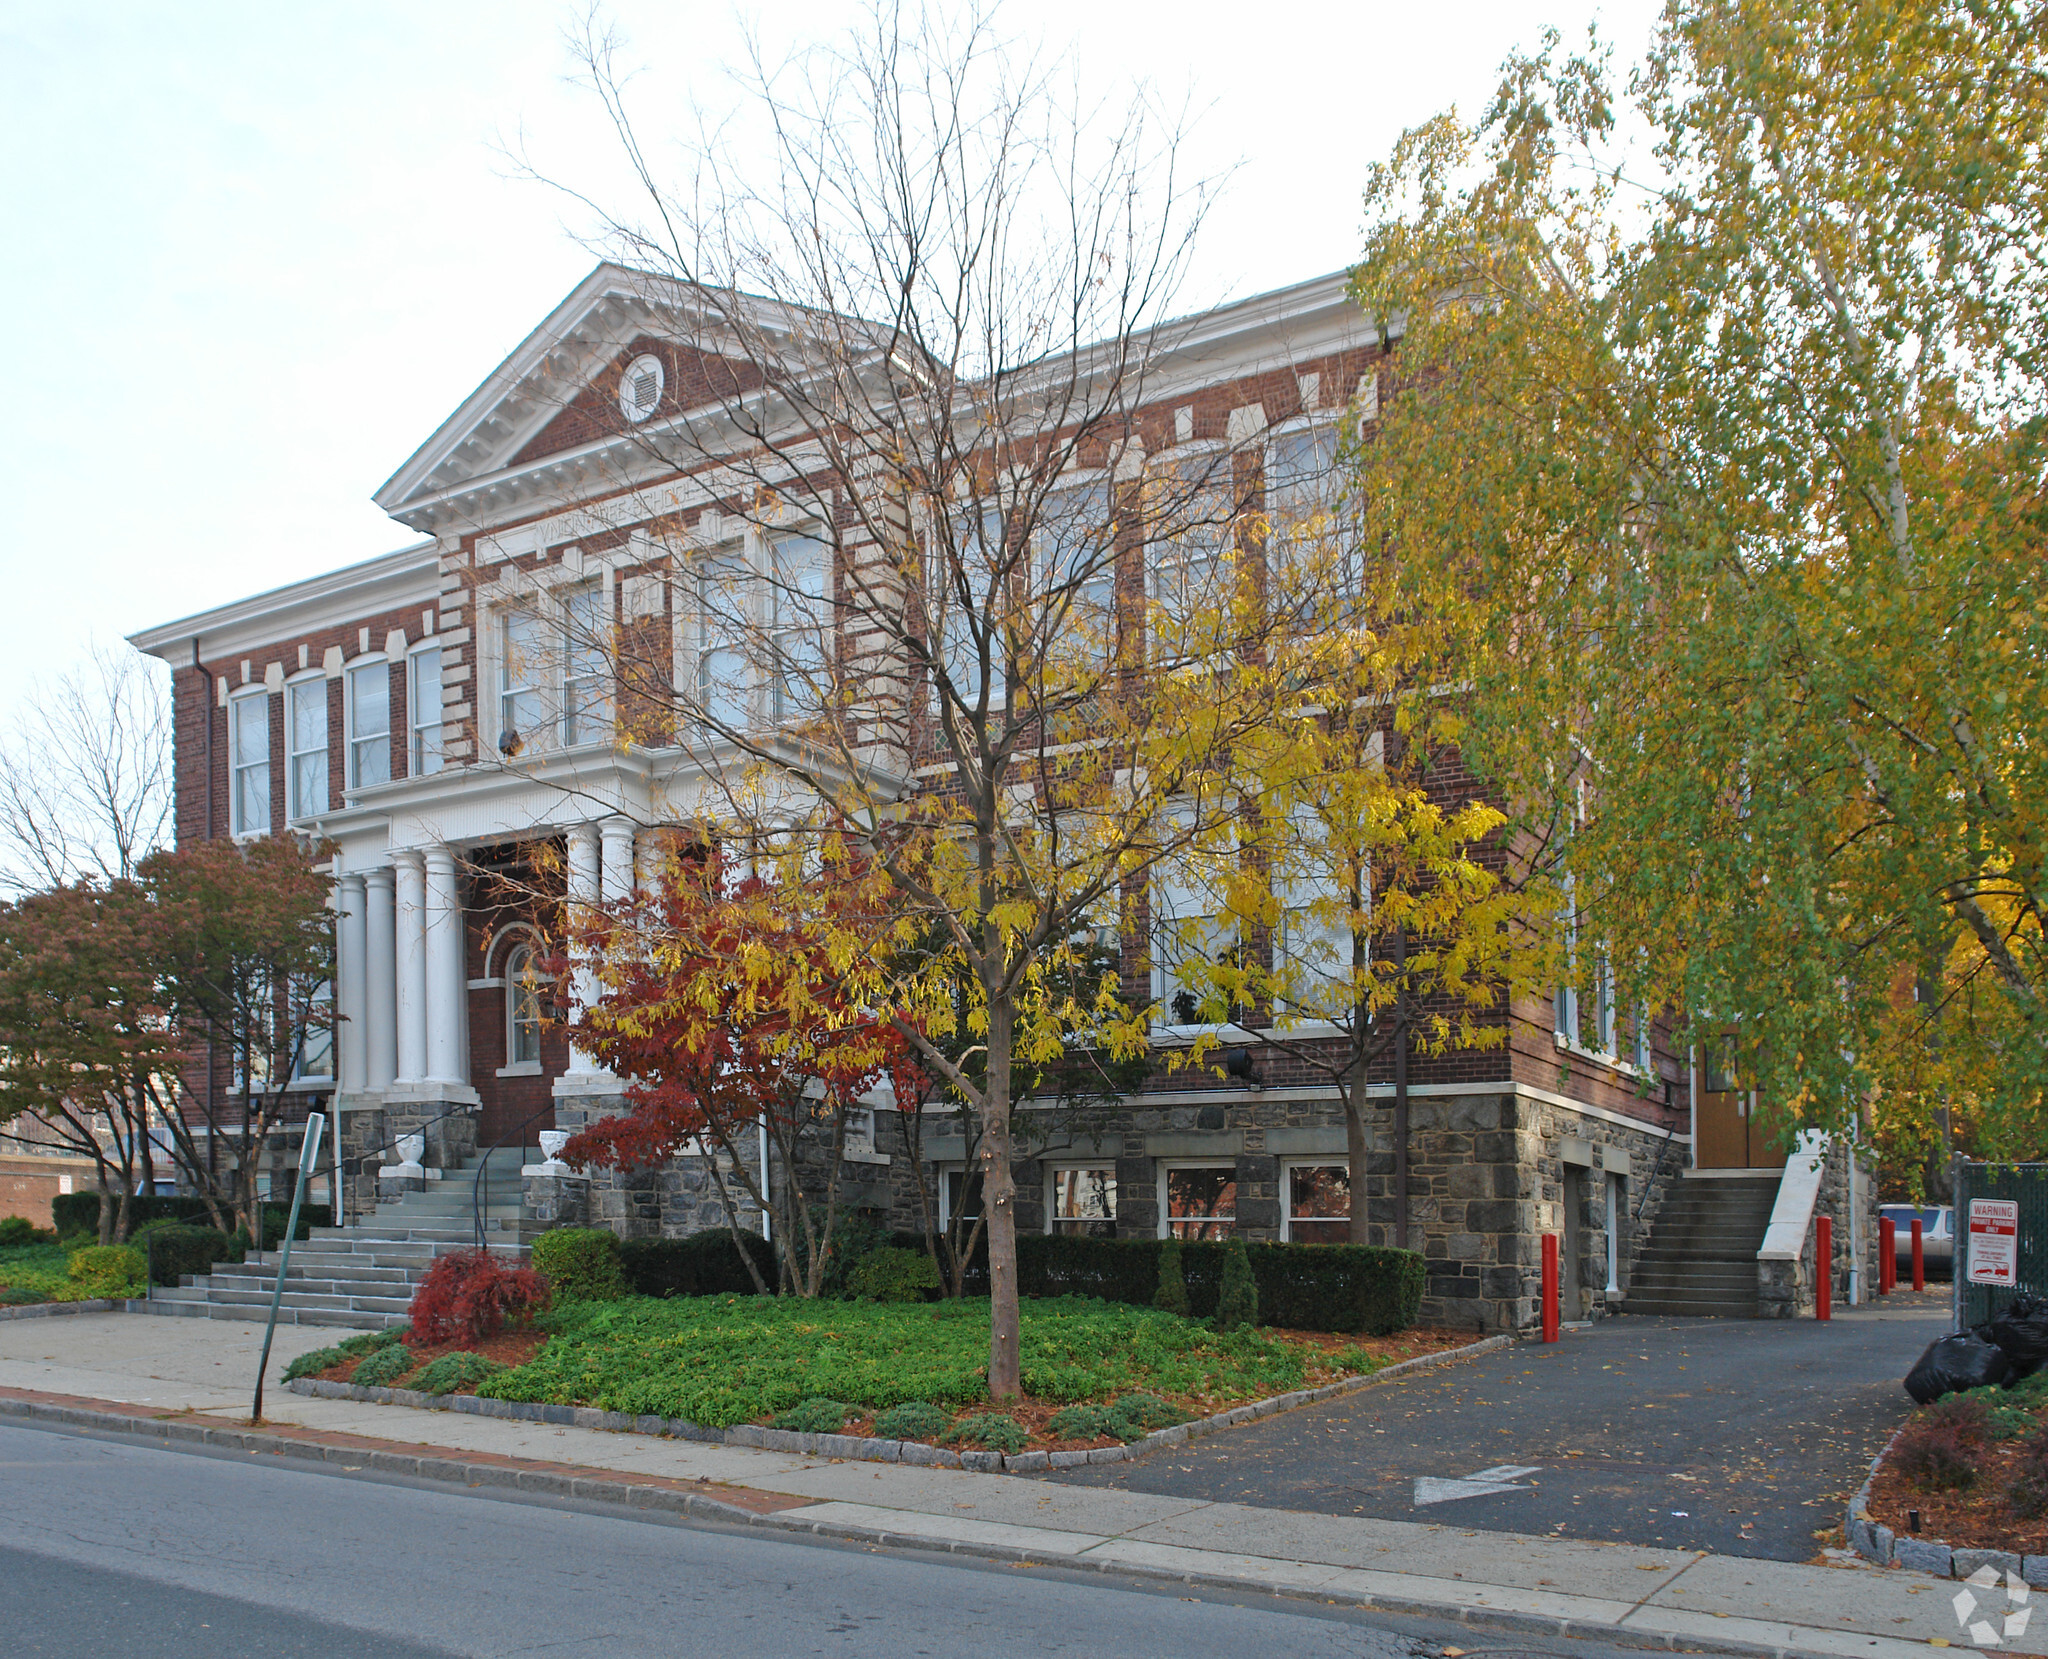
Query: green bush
582	1263
17	1230
383	1368
890	1273
815	1416
173	1250
1131	1418
20	1296
368	1342
912	1420
308	1365
453	1373
38	1273
79	1212
993	1431
1237	1299
1171	1296
1303	1287
108	1270
704	1264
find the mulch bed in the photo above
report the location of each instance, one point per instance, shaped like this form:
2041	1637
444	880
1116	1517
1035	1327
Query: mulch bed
1973	1519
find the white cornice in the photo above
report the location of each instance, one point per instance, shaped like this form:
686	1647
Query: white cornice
409	576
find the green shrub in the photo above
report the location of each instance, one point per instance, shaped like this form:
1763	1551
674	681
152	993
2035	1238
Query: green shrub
912	1420
704	1264
816	1415
1303	1287
174	1249
454	1373
79	1212
1356	1361
856	1235
890	1273
1237	1300
17	1230
1171	1296
993	1431
1984	1414
582	1263
383	1368
108	1270
307	1365
368	1342
1131	1418
1938	1454
20	1296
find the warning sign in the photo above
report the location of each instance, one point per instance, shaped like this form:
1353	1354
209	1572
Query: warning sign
1994	1241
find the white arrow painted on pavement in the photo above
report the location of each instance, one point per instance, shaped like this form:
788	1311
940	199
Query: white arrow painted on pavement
1431	1489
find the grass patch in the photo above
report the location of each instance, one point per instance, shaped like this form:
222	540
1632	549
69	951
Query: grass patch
722	1360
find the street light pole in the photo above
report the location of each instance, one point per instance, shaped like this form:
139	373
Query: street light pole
309	1159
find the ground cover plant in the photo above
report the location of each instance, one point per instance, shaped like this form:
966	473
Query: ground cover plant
725	1360
1974	1466
36	1273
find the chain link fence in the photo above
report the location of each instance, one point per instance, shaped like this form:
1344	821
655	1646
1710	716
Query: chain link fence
2025	1185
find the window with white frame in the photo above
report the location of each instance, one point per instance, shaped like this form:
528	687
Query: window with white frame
1318	1208
1191	562
1319	895
1190	929
799	623
316	1051
1565	1005
1201	1201
249	763
1082	1200
723	685
525	674
1641	1044
369	724
959	599
522	1008
305	742
1301	473
585	658
1606	1035
423	712
1076	570
960	1195
1309	540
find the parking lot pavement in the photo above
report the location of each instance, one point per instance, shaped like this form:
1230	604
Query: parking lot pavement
1740	1436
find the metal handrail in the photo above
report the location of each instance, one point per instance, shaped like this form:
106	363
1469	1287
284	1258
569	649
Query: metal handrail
480	1187
390	1145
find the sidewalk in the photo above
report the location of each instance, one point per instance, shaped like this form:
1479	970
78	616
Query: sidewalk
189	1381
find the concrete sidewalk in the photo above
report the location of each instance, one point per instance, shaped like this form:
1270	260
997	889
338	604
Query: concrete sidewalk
190	1381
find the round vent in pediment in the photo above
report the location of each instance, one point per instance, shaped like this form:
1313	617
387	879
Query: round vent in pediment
640	388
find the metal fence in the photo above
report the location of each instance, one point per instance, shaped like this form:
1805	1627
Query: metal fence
2025	1185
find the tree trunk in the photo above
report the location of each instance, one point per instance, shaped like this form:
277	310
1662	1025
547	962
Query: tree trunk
999	1203
1358	1155
1401	1089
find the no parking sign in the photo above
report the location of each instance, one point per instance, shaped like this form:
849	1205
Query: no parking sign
1994	1241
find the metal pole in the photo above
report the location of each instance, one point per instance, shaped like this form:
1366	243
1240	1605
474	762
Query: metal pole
309	1157
1550	1312
1919	1257
1887	1254
1824	1268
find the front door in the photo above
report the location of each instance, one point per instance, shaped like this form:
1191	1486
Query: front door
1732	1132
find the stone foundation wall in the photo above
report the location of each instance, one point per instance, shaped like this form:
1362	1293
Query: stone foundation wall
1788	1289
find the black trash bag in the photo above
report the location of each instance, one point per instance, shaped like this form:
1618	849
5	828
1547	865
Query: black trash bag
1968	1359
2021	1332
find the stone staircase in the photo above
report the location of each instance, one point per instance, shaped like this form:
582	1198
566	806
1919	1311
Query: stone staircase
363	1276
1701	1258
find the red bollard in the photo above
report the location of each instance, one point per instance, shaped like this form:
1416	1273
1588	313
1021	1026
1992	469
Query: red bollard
1887	1255
1824	1268
1919	1258
1550	1319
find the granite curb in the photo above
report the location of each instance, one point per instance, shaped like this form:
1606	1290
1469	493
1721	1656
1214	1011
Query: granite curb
1876	1542
858	1447
50	1310
566	1482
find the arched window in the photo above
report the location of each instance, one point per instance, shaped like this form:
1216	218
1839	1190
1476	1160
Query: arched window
522	1009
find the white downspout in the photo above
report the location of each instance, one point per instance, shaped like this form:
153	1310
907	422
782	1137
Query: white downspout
767	1192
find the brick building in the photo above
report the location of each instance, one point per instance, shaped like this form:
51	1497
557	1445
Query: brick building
387	708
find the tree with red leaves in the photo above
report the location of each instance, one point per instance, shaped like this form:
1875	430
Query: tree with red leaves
720	1002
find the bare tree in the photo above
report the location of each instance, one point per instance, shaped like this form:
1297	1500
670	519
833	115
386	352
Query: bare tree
85	774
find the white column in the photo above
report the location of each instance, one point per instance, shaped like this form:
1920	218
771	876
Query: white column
351	986
411	876
447	985
583	891
617	875
380	977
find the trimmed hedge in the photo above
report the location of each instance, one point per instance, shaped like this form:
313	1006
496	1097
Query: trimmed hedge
1303	1287
107	1270
704	1264
176	1250
79	1212
582	1263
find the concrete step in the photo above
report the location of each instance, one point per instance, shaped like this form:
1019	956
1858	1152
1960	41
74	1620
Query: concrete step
1650	1308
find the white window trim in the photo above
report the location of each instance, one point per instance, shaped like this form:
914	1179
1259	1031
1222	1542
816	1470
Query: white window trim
349	736
693	616
528	943
415	728
541	591
292	688
945	1202
238	704
321	1079
772	598
1164	1167
1055	1166
1306	1161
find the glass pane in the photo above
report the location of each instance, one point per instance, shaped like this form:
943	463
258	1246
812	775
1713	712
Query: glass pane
1319	1204
424	705
1084	1201
309	784
252	800
252	729
309	716
1201	1203
963	1194
801	649
723	684
1301	469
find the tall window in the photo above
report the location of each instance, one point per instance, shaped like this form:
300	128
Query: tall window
798	622
369	724
423	711
1084	1201
1191	565
722	681
305	731
1319	1203
1077	568
1201	1202
1312	946
977	552
316	1052
1189	931
524	669
586	646
1301	474
522	1009
249	763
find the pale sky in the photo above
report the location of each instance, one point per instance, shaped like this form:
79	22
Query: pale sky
256	253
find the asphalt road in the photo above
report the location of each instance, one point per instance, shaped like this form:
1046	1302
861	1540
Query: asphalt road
111	1547
1740	1436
